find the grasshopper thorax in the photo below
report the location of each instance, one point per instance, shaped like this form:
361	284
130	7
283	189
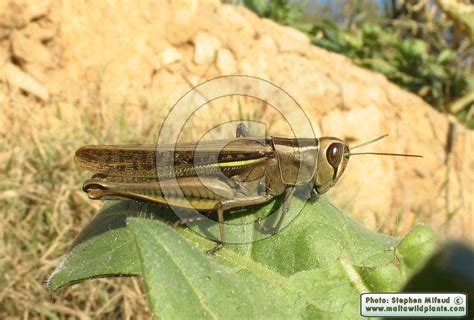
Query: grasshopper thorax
332	160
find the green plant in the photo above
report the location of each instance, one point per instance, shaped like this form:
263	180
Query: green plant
434	73
316	267
424	47
281	11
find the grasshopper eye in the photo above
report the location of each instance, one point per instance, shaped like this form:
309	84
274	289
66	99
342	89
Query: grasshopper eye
334	154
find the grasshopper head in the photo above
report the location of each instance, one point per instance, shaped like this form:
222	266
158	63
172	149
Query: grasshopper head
332	160
333	157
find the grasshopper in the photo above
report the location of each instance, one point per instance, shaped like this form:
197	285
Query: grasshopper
246	171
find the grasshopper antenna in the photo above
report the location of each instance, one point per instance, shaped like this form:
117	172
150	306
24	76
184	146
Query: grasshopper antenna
370	142
387	154
380	153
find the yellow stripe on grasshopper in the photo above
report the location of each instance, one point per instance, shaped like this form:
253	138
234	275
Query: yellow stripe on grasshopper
238	163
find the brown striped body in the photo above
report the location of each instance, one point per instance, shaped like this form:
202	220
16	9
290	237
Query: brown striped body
203	175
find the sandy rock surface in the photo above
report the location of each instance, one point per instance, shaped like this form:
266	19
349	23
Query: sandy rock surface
145	55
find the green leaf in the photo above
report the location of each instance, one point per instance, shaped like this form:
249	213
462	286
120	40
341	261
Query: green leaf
381	66
102	249
354	40
417	246
260	7
327	292
183	283
445	55
317	266
414	49
371	30
328	44
437	72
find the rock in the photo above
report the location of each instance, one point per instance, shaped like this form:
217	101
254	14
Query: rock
205	47
254	67
169	55
15	14
358	124
18	79
287	39
226	61
41	30
267	44
5	52
124	80
236	20
30	50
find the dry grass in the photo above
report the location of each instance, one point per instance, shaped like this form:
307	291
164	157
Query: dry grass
43	208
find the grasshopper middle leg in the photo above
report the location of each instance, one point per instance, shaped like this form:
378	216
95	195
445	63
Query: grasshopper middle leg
229	204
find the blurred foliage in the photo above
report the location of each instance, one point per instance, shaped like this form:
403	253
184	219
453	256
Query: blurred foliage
282	11
425	47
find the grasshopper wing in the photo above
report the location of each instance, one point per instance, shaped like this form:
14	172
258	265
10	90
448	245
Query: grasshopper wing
231	157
